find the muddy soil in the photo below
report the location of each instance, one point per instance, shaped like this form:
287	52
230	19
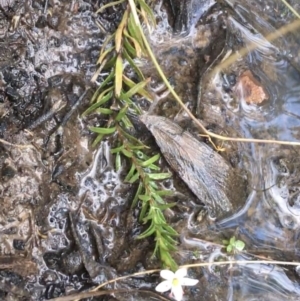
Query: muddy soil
65	220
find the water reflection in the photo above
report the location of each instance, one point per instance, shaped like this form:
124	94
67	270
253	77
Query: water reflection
269	221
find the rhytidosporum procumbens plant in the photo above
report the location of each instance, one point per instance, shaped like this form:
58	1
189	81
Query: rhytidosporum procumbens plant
114	98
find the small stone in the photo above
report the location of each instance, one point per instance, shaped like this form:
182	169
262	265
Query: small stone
250	89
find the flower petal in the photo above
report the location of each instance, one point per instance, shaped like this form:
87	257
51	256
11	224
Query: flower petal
177	292
167	274
188	281
164	286
180	273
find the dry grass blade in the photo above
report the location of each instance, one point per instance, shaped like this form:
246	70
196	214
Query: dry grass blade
95	76
21	146
75	297
119	32
118	75
104	54
194	265
291	8
106	42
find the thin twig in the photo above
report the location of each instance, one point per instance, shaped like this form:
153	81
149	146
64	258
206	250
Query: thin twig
228	262
194	265
21	146
109	292
291	9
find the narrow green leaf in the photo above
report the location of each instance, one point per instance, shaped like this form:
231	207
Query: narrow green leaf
158	198
135	147
142	92
229	248
138	87
126	153
170	230
128	125
133	65
95	95
144	197
105	111
165	192
117	149
103	96
97	140
110	63
124	97
170	240
130	173
153	184
149	217
169	246
165	206
131	138
146	233
160	217
138	192
118	162
167	260
118	75
102	85
129	48
134	178
159	176
135	33
153	167
103	131
96	105
122	113
143	211
151	160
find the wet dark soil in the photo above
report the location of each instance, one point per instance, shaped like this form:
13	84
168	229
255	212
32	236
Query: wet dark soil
65	222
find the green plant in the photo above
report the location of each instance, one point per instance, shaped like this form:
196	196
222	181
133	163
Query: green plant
116	99
233	245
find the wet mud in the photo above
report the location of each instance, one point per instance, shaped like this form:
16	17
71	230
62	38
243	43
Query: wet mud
65	220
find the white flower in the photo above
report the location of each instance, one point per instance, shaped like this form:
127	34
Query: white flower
174	282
